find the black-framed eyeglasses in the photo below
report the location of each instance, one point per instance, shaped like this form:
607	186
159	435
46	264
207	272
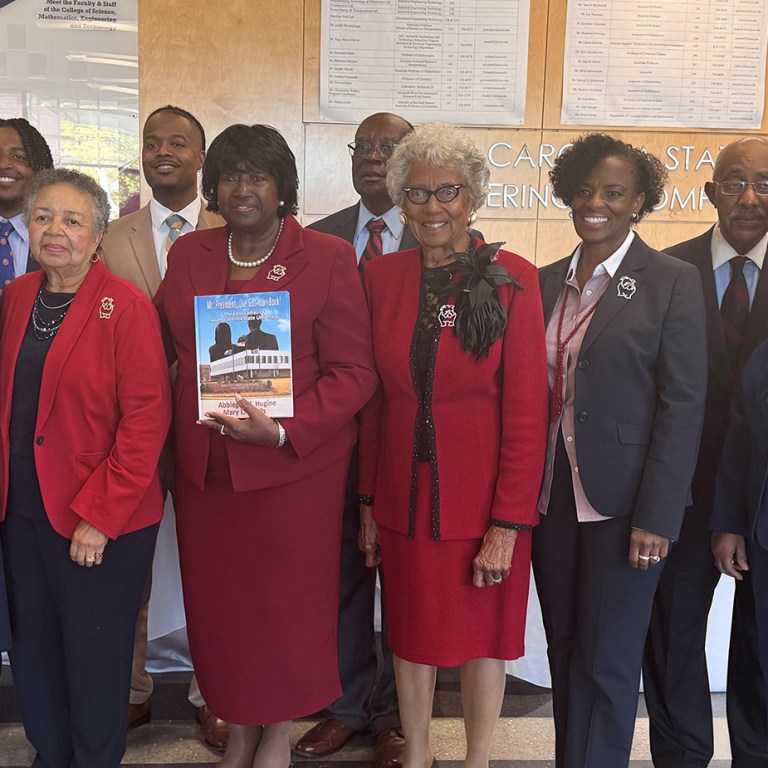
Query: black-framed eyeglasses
739	186
420	196
364	148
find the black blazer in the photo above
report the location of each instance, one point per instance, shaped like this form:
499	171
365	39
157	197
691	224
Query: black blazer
720	381
343	224
740	500
640	388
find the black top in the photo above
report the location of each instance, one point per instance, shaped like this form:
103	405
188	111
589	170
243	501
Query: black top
24	496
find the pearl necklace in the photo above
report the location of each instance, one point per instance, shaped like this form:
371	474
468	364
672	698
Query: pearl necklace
258	262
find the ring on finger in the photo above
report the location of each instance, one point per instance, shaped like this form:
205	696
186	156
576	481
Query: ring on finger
90	559
645	558
222	432
656	558
496	581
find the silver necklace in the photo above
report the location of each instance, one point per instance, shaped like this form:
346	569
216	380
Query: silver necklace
47	329
258	262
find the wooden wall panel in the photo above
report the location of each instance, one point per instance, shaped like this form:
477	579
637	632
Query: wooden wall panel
240	62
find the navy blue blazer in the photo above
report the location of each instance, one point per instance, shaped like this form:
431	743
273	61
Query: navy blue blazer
740	503
641	384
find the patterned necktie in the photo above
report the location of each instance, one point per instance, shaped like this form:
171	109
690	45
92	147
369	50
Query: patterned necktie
7	272
375	246
175	223
734	311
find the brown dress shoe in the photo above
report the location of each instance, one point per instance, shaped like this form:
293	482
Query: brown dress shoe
390	748
215	730
328	736
138	714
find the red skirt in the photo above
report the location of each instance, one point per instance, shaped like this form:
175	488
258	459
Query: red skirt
260	573
435	615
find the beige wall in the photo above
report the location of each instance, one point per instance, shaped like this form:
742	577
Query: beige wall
258	61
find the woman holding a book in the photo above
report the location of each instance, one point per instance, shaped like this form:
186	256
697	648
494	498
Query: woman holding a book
259	501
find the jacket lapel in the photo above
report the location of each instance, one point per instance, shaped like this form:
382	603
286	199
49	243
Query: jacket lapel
757	327
143	249
551	281
612	302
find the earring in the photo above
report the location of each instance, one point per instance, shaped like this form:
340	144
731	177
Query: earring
403	218
635	217
472	217
94	258
570	214
281	204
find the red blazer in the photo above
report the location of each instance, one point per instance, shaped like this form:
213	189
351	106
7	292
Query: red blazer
333	375
490	415
104	407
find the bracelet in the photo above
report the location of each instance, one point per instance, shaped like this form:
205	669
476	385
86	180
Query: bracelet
281	436
366	500
511	526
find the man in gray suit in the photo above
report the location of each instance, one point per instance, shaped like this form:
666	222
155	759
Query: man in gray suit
135	248
365	703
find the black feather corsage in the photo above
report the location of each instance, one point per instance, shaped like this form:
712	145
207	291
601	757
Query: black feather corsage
481	318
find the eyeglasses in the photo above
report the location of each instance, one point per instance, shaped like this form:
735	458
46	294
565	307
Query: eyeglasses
446	194
739	187
364	148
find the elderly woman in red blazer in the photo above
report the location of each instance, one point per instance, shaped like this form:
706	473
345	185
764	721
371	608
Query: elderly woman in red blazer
258	501
84	413
452	448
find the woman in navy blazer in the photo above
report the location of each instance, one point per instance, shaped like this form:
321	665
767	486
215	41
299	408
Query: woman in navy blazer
627	360
259	502
84	413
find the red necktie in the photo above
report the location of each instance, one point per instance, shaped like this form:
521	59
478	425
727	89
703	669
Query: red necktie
734	311
375	246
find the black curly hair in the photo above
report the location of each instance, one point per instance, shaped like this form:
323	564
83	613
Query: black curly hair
576	161
36	147
257	146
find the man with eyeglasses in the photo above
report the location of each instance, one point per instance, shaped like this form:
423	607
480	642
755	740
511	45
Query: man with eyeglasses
373	226
730	258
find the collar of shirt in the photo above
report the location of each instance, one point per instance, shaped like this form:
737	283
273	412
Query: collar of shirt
723	251
391	236
610	266
160	213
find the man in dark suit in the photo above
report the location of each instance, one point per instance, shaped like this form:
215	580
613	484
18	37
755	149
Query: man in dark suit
366	702
23	152
135	248
740	517
675	671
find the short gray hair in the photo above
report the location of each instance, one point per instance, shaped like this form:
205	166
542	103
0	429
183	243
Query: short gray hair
76	179
439	145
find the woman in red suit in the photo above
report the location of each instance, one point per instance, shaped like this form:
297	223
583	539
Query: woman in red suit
84	412
452	449
258	501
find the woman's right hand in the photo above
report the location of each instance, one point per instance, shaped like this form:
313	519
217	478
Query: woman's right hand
368	537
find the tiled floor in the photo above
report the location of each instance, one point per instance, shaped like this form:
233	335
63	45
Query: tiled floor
524	737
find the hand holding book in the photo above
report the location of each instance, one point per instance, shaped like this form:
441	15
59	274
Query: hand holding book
256	427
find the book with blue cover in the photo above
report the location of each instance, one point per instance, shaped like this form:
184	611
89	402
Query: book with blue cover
243	343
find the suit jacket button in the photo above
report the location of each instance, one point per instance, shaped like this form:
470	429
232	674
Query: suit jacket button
40	440
583	364
583	416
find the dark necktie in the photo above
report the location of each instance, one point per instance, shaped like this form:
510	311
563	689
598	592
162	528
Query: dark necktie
375	246
7	272
734	311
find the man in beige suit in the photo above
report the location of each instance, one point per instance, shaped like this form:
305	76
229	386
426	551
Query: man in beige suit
135	247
